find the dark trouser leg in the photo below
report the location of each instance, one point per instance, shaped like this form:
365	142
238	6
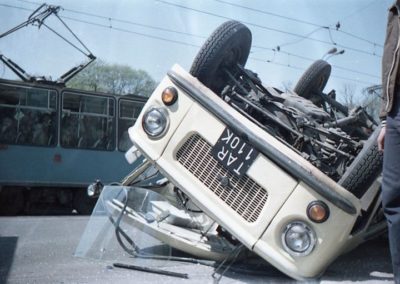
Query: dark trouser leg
391	189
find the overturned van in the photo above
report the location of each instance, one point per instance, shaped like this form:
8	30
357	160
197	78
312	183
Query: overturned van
245	166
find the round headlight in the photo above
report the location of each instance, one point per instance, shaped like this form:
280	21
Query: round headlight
155	122
298	239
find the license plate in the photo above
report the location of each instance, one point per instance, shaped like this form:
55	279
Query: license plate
233	153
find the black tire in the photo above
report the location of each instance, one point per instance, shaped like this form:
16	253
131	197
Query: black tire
313	81
365	168
227	46
82	203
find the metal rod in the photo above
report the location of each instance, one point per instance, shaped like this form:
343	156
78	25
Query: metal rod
260	109
151	270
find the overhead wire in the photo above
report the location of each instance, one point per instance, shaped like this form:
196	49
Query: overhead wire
17	7
108	27
306	36
191	34
29	2
269	13
198	46
242	7
131	32
270	28
135	23
357	11
123	21
329	28
302	69
312	60
188	34
302	37
51	29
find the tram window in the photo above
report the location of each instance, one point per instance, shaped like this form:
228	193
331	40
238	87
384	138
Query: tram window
88	122
128	113
39	98
27	116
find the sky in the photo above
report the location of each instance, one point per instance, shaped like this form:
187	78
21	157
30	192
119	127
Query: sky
287	36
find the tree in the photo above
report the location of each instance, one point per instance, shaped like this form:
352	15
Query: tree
369	99
113	78
349	96
372	100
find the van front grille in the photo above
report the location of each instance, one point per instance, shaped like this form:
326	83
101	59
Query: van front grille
243	194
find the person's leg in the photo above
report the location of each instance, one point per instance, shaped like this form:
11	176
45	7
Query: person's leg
391	189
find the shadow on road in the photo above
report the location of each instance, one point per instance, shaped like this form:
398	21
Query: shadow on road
8	247
370	261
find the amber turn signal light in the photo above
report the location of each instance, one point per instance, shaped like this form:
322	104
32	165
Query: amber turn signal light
169	96
318	211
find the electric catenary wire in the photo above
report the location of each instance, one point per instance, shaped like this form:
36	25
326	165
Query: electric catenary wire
302	69
306	22
198	36
270	28
111	19
301	37
198	46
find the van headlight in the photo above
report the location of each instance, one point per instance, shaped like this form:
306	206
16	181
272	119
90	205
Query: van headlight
298	238
155	122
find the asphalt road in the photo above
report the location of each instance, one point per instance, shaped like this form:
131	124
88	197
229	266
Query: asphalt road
41	250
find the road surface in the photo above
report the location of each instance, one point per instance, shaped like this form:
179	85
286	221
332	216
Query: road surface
41	250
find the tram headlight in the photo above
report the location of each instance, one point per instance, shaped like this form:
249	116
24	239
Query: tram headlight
155	122
298	238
